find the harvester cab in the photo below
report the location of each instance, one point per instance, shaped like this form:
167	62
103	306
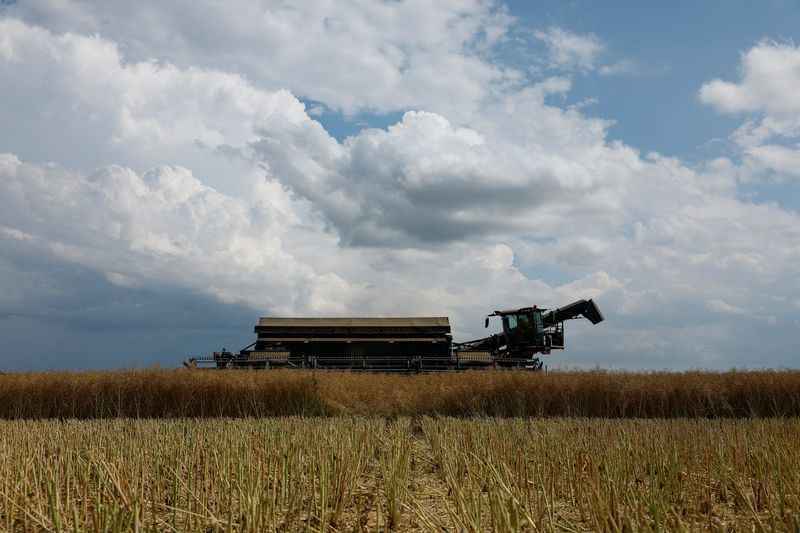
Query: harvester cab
521	327
531	330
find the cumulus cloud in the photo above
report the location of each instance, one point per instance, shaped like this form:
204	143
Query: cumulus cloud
260	247
379	188
352	55
135	113
162	227
768	70
164	230
204	180
425	181
769	73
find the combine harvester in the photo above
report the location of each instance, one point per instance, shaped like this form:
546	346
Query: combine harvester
412	344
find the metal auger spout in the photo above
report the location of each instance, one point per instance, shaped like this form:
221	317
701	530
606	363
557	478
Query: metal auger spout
586	308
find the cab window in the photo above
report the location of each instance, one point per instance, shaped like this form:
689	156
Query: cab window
537	322
524	322
512	321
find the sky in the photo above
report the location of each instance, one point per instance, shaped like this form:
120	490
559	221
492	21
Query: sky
171	170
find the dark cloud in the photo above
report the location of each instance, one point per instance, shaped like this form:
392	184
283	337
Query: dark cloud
77	319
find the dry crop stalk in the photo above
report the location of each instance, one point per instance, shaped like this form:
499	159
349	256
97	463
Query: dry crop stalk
266	474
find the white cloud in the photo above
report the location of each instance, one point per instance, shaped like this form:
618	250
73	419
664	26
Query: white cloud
420	180
769	73
721	306
210	182
623	66
259	246
571	50
768	70
146	103
350	55
783	159
162	227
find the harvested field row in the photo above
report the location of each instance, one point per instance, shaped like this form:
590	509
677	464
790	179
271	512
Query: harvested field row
428	474
229	393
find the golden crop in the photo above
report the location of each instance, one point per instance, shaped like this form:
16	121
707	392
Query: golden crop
183	450
211	393
423	474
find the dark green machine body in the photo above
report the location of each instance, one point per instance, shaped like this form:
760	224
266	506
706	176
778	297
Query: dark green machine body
402	344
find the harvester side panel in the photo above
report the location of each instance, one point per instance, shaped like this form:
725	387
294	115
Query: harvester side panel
356	341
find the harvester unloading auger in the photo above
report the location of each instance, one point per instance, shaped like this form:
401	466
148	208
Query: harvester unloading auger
410	344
